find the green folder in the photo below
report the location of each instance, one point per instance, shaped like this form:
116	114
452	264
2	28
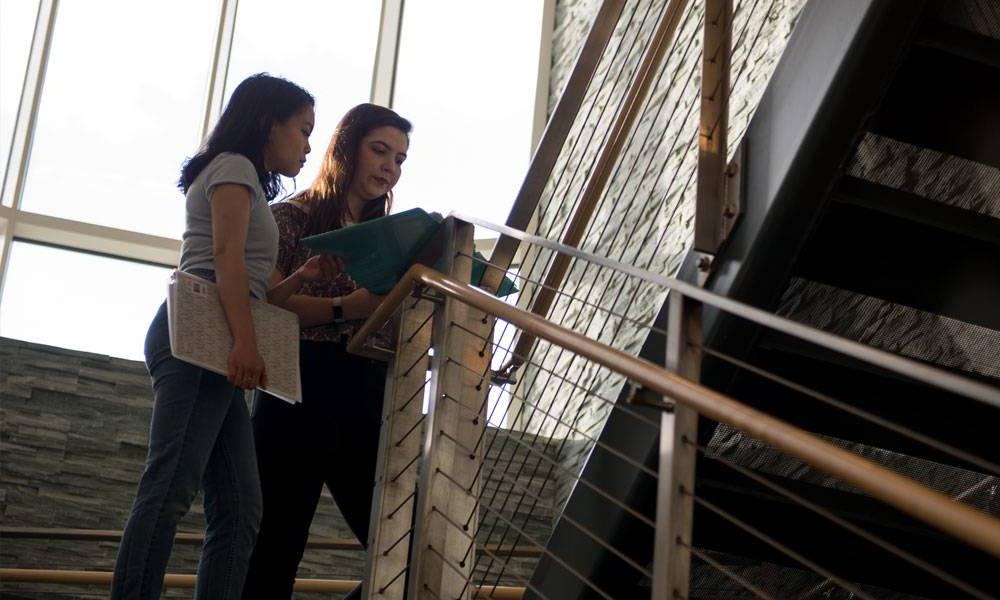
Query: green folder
377	253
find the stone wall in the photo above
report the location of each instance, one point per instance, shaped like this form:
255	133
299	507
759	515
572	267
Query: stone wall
73	432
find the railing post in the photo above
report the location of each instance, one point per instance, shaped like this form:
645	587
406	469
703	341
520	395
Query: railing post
715	214
714	218
678	433
396	477
447	492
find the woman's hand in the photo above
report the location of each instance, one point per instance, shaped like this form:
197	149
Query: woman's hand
322	267
246	366
360	303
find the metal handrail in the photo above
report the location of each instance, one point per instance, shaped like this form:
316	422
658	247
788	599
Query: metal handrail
906	367
961	521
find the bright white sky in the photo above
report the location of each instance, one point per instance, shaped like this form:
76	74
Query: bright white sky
123	102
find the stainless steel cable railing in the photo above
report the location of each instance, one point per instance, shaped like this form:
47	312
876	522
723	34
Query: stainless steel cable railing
519	486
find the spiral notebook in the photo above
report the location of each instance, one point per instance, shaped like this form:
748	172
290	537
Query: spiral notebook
199	333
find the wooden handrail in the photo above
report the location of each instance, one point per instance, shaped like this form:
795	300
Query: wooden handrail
190	538
112	535
959	520
171	580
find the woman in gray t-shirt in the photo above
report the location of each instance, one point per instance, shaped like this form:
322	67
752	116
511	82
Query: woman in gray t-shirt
200	434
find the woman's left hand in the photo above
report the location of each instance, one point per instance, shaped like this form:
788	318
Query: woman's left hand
321	268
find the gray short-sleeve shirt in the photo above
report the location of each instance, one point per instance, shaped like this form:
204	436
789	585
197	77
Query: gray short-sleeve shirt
261	251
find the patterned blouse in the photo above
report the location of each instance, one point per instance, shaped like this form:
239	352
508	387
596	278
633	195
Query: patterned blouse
292	221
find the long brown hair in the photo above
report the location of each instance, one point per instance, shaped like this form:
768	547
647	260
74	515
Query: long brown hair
326	198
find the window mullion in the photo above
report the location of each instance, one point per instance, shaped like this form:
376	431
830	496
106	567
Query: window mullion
97	239
27	109
24	126
387	52
220	64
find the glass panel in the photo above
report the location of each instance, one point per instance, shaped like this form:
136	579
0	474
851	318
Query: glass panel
330	52
470	93
122	107
17	24
96	304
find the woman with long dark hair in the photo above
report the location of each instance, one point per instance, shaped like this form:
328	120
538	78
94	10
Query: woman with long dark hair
331	438
200	434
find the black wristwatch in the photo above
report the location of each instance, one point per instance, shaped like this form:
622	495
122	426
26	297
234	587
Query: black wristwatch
338	310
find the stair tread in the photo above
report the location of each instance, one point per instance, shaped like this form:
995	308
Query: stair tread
945	179
943	101
904	262
961	42
978	16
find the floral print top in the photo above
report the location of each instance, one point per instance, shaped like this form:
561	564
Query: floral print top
292	221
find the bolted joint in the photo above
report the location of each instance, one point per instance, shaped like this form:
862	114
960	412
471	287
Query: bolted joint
705	264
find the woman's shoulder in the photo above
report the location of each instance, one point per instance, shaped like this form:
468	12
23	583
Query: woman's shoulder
233	160
289	216
231	167
289	207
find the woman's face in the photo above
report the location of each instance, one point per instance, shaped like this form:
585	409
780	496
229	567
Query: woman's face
288	143
379	162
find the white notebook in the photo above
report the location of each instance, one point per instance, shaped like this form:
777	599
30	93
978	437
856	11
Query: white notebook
200	335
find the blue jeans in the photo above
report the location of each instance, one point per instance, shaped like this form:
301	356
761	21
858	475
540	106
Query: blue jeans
200	437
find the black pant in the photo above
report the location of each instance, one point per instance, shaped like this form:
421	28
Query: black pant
330	438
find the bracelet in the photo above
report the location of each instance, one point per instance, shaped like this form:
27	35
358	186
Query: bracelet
338	309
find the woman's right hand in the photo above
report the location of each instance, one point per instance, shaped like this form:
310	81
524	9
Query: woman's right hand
360	303
246	367
321	267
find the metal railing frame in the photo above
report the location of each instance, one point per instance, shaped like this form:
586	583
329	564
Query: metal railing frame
961	521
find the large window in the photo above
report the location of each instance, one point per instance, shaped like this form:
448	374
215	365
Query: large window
121	108
470	93
126	90
80	301
326	46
